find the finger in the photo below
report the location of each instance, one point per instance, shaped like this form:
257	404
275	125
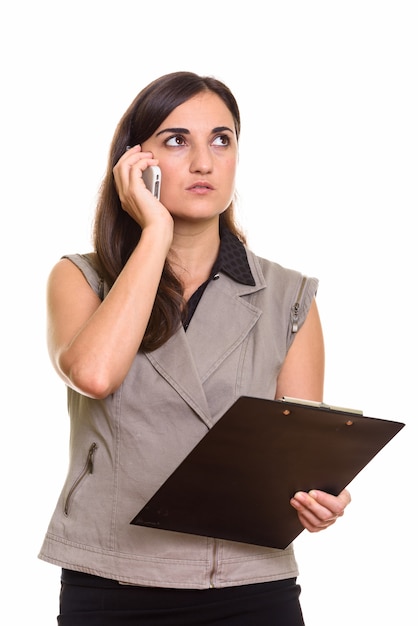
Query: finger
312	523
335	504
128	170
133	149
316	510
132	156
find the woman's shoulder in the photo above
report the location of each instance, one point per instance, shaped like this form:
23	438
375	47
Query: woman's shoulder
87	263
273	270
82	260
284	283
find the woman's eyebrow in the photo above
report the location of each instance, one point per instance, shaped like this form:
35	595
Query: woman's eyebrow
222	129
186	131
180	131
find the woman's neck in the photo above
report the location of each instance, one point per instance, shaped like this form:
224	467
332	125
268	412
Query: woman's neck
193	254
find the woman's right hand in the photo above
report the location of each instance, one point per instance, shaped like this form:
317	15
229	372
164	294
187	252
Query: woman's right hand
135	198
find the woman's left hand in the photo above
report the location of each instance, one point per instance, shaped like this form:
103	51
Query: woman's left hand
318	510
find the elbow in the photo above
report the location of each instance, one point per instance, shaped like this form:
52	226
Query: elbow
87	378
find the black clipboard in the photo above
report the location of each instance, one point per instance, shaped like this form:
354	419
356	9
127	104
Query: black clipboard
237	482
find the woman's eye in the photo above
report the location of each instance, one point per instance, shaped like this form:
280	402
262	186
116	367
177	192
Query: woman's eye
221	140
175	140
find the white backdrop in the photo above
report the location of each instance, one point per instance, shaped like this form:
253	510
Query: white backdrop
328	186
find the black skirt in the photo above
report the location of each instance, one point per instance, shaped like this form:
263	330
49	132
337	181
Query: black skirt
87	600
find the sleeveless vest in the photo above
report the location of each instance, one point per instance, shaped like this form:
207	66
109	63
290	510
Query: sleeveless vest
122	448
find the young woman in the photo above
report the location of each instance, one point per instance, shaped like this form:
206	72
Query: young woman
156	333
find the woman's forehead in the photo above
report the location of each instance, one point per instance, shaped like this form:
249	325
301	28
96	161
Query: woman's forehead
203	111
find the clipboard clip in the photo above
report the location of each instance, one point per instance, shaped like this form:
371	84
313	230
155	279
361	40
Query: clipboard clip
321	405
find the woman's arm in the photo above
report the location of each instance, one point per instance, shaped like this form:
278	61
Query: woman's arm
302	373
91	343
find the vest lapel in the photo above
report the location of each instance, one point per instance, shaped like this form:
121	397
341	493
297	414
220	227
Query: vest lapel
221	322
175	362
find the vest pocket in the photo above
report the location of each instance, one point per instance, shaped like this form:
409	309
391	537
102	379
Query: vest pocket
87	469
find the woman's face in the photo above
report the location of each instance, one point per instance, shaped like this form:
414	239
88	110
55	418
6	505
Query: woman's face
197	149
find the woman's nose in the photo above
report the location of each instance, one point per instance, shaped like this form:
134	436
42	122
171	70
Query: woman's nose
201	160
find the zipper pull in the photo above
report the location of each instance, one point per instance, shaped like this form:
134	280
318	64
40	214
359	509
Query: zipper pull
295	307
295	316
92	450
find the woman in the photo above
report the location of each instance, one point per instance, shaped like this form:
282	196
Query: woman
156	334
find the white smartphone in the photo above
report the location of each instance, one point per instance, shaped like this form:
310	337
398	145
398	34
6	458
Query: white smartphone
152	179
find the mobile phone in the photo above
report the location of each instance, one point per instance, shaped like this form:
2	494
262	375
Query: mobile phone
152	179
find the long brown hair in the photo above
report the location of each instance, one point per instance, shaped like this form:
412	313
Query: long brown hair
115	233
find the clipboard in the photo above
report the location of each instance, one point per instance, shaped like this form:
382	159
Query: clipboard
237	482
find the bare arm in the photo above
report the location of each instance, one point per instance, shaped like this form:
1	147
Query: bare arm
91	343
302	373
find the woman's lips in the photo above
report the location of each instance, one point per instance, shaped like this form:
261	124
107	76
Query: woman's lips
200	186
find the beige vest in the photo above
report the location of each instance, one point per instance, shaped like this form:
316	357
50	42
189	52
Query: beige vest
123	447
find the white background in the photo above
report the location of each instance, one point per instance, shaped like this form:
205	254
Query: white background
328	186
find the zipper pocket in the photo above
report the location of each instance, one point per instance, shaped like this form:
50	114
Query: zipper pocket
87	469
296	306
